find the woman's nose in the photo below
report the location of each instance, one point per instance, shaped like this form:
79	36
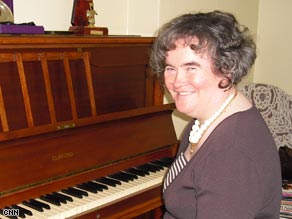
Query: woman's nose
180	79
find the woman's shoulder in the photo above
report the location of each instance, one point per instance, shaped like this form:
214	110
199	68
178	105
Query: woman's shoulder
248	134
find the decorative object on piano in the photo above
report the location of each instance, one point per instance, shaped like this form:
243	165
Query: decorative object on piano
7	24
83	19
90	14
6	14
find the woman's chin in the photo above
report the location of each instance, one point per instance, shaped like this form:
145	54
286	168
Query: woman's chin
184	110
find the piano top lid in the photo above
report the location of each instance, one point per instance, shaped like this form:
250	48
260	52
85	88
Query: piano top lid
69	40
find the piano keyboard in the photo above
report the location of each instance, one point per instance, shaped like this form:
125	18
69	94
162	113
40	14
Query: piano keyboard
92	195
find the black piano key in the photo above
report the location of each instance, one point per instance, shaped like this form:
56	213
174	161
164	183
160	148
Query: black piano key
157	166
92	187
33	206
87	188
51	199
66	198
126	177
59	199
20	213
108	181
167	160
11	217
75	192
119	177
99	186
137	171
159	163
42	204
36	205
149	167
21	209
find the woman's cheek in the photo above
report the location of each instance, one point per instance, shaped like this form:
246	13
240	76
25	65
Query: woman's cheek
169	83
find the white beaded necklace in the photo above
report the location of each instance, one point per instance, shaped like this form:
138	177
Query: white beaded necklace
197	131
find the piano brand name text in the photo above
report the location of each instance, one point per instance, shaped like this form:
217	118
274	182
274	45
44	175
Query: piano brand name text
62	156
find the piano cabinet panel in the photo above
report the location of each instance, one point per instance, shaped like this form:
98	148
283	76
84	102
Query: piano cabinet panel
119	88
80	149
11	88
120	55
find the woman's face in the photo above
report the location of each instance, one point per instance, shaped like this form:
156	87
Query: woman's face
191	82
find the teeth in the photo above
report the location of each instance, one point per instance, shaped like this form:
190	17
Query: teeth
184	93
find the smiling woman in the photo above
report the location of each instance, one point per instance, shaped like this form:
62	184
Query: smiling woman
186	75
228	167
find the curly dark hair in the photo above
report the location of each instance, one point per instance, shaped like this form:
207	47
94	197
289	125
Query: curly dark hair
228	44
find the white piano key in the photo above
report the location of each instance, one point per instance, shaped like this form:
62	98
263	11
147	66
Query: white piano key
77	206
52	209
56	212
69	208
35	213
113	188
100	199
3	217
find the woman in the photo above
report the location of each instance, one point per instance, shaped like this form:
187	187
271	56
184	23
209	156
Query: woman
227	166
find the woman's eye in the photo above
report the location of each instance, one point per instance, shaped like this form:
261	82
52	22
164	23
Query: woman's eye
169	69
191	68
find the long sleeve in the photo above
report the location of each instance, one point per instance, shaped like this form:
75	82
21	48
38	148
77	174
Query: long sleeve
235	174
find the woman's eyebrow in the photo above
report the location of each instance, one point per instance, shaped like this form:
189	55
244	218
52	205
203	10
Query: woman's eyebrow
193	63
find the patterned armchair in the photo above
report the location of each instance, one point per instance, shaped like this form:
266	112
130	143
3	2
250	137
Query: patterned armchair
275	105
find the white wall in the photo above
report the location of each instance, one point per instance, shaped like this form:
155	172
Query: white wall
269	20
52	14
274	62
132	17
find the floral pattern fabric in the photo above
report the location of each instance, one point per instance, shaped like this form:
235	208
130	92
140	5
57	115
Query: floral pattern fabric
275	105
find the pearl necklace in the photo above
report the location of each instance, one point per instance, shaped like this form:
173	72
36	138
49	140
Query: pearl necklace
197	131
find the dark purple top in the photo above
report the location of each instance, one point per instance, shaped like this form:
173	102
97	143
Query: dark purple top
234	175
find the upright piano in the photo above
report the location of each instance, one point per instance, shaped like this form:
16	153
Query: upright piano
84	132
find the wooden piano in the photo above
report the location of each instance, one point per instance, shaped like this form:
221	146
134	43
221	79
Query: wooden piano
77	114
